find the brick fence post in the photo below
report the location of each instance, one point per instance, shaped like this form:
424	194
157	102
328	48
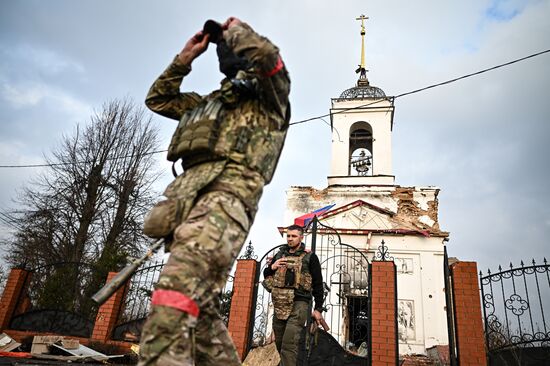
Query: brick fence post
107	314
15	285
383	292
243	304
468	320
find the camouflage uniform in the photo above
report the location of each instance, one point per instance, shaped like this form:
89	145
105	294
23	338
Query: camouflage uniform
291	296
211	206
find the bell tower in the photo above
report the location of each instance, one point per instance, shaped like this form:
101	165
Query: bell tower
364	206
362	122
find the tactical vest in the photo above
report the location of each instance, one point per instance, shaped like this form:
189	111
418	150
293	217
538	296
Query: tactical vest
230	125
288	281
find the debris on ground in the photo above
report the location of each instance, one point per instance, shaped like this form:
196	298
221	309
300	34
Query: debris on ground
41	344
262	356
53	349
7	343
416	360
61	348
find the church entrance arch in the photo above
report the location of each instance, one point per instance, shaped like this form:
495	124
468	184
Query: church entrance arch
346	275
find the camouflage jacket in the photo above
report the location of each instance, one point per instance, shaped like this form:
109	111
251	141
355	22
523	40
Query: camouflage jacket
165	98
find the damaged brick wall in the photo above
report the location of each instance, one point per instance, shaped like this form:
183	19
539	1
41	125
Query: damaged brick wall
418	207
412	208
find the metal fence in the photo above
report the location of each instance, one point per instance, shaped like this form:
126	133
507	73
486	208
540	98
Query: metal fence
262	332
516	306
137	301
55	299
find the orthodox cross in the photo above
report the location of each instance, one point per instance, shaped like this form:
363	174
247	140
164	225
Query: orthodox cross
362	68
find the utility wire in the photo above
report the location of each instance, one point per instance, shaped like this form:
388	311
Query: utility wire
77	162
473	74
323	115
427	87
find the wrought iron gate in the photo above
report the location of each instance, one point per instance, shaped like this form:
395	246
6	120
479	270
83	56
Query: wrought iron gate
346	283
516	309
449	303
137	301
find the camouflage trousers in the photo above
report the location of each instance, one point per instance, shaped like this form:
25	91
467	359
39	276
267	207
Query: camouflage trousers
204	249
287	333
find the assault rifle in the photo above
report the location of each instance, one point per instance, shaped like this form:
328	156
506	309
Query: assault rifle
109	289
322	322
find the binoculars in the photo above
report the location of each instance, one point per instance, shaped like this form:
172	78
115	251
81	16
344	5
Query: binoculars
214	30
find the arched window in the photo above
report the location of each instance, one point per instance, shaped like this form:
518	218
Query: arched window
360	149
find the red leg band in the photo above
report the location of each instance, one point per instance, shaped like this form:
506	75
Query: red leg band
176	300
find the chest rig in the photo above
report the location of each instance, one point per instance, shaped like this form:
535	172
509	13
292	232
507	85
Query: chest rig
231	124
289	276
295	275
286	281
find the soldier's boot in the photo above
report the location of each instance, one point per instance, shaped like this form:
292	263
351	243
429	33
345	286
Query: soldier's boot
168	338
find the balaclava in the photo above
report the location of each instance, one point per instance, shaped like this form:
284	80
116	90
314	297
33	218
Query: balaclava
230	63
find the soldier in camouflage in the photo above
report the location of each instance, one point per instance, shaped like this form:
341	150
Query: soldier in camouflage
228	143
293	276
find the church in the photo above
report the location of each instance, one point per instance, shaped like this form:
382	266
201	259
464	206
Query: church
371	215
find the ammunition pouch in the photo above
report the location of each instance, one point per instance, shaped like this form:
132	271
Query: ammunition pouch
166	215
196	138
305	282
267	283
287	277
292	276
163	218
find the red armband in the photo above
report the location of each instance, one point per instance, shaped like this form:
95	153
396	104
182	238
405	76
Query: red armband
276	69
176	300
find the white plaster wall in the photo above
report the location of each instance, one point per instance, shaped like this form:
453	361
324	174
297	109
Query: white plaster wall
379	180
425	286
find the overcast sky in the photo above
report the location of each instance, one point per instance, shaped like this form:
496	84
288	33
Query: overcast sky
482	141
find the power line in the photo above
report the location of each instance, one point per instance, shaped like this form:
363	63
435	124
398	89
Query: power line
323	115
473	74
78	162
340	111
428	87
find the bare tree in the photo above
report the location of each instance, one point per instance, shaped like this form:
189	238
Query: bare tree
89	204
3	278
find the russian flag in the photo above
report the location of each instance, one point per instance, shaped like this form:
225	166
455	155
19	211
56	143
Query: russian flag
305	219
